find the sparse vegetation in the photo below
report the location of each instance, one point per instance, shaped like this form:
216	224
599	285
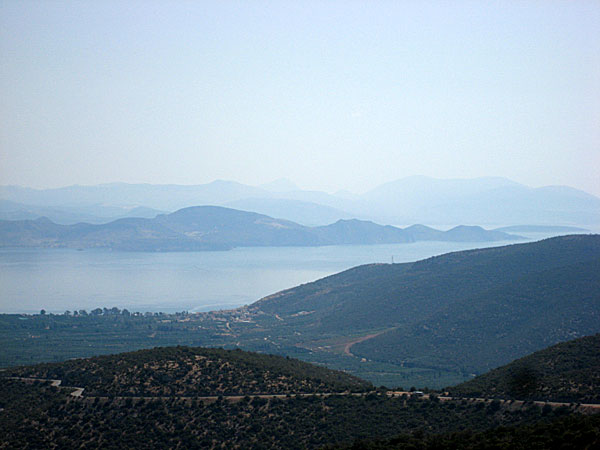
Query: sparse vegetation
185	371
566	372
573	432
39	416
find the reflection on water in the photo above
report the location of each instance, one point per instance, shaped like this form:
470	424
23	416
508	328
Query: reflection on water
57	280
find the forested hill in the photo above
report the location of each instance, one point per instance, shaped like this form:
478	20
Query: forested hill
192	371
566	372
468	311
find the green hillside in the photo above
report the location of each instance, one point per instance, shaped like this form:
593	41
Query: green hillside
186	371
463	312
566	372
385	295
484	330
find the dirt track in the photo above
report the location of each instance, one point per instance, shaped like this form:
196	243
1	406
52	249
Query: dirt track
78	393
581	406
361	339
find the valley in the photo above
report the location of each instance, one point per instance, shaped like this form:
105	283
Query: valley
334	363
418	317
339	225
209	398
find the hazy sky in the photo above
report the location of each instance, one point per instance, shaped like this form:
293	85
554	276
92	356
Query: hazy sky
331	94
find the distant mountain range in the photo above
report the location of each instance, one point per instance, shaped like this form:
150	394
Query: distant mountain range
218	228
541	229
485	201
480	200
69	215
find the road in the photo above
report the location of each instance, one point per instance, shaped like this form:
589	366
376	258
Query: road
78	393
360	339
487	400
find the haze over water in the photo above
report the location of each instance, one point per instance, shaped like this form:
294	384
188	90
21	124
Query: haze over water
337	96
59	279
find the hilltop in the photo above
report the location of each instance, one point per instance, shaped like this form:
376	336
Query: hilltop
566	372
192	371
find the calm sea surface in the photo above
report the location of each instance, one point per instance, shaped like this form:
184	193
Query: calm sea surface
59	280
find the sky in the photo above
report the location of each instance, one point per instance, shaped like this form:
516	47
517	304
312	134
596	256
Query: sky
330	94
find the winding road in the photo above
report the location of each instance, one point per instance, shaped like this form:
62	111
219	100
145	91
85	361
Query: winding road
78	393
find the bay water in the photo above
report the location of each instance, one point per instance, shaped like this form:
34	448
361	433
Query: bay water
62	279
